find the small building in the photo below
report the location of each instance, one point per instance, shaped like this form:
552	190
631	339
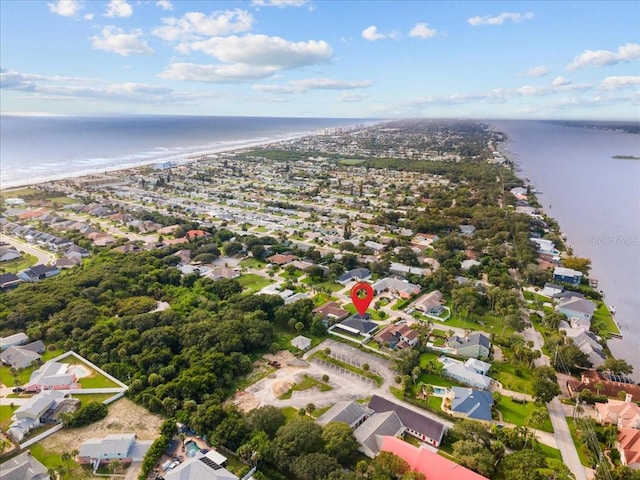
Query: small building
567	275
347	411
301	342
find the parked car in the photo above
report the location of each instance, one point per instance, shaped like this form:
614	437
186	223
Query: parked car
18	390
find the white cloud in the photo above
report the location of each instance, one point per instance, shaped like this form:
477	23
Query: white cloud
560	82
352	97
216	73
279	3
422	30
371	33
193	25
164	5
615	83
298	86
113	39
600	58
538	71
66	8
88	16
118	8
262	50
500	19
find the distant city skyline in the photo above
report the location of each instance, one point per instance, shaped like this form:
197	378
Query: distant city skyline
302	58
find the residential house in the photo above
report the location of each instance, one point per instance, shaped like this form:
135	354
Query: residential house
356	325
471	403
416	424
469	376
347	411
301	342
467	230
400	287
468	263
357	274
621	413
331	312
9	253
51	376
628	445
431	303
295	297
423	240
19	338
578	310
551	290
586	341
195	234
31	415
23	467
598	383
397	336
38	272
217	273
200	467
64	263
430	464
22	356
403	270
377	248
475	345
281	258
567	275
544	246
9	281
123	447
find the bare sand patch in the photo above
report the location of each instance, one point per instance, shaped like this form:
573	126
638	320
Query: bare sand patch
124	417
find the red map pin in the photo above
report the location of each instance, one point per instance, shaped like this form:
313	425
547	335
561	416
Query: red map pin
362	294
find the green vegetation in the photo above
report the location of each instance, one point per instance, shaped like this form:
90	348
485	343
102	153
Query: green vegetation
5	415
14	266
86	398
307	383
253	282
520	414
512	376
346	366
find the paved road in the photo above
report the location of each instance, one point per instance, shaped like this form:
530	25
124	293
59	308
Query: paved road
564	440
43	256
533	335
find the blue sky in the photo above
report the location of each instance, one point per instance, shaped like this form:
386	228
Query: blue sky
548	59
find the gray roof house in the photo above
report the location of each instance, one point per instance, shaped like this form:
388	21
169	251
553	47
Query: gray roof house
468	376
586	341
20	357
12	340
579	311
475	345
347	411
356	325
358	274
119	446
418	425
50	376
200	467
29	416
23	467
475	404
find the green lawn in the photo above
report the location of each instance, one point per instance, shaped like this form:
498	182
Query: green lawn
5	416
512	377
426	356
432	379
517	413
252	263
290	413
93	397
580	445
327	284
603	317
94	380
18	264
322	298
549	452
374	314
253	282
24	374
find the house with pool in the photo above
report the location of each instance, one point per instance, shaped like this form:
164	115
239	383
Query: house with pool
54	376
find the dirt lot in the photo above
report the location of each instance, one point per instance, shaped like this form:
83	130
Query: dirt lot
124	417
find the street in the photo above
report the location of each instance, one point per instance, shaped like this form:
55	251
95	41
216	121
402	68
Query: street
564	440
43	256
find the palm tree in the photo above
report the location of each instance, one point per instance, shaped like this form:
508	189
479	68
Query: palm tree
427	391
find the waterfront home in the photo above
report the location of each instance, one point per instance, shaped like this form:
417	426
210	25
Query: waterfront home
551	290
628	444
621	413
544	246
599	384
567	275
586	341
430	464
578	310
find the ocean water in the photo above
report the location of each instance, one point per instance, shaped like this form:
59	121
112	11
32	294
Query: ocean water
596	201
37	149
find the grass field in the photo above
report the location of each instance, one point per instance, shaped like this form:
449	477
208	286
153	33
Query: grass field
252	263
512	377
94	380
604	318
14	266
329	285
5	416
306	384
517	413
24	374
253	282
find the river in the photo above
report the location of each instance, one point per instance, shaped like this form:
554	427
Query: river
596	201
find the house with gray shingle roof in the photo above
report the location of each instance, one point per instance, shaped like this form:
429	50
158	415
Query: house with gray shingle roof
23	467
120	446
472	403
369	434
475	345
347	411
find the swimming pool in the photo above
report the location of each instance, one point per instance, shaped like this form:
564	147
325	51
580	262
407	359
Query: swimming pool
79	371
191	448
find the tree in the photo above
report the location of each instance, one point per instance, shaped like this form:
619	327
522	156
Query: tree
267	418
617	367
545	384
387	465
406	360
315	466
339	441
474	456
523	465
576	263
295	438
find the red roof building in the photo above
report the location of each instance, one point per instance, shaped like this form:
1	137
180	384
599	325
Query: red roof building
432	465
281	259
193	234
629	447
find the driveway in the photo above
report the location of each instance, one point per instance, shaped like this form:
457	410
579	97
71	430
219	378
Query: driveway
564	440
